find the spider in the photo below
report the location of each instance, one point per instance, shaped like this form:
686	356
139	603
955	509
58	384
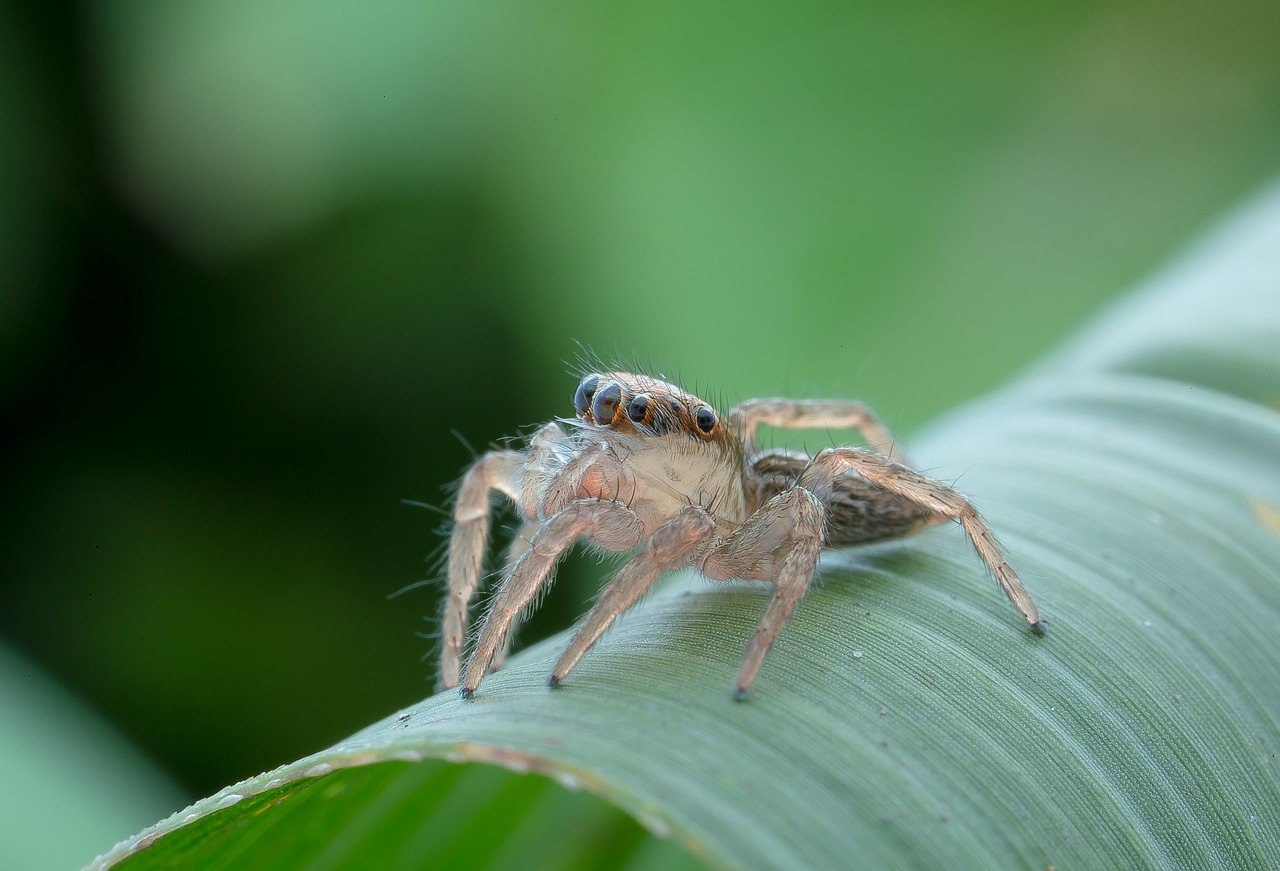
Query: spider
647	466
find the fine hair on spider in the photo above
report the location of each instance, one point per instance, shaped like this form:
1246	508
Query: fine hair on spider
646	467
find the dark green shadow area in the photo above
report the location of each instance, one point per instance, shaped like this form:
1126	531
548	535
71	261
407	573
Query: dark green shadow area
400	815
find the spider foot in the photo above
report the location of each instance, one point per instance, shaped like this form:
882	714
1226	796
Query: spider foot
467	693
1039	628
740	694
553	681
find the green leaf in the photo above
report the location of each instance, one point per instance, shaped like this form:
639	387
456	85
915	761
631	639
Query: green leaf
905	718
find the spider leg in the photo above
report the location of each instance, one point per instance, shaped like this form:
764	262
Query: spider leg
813	414
611	525
934	496
496	470
519	545
669	547
789	528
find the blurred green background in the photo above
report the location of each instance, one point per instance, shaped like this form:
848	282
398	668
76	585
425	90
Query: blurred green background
269	268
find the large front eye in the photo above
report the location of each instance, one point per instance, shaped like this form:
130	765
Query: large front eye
605	404
705	418
587	389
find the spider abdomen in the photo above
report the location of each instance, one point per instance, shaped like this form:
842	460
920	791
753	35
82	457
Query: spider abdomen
857	512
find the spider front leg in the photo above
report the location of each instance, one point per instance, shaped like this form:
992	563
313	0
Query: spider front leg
519	545
934	496
496	470
668	548
503	471
610	524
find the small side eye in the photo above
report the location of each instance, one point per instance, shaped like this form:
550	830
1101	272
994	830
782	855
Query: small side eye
605	404
587	389
638	408
705	418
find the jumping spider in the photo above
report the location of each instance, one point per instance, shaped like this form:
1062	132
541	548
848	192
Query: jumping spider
645	464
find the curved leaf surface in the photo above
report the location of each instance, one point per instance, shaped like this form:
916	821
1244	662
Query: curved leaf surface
906	718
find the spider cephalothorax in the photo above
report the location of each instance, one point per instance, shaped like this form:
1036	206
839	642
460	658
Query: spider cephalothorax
646	465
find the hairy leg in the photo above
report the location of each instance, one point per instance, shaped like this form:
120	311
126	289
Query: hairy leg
668	548
752	551
791	525
611	525
813	414
932	495
519	545
496	470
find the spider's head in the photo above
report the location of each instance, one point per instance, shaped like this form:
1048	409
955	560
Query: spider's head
638	405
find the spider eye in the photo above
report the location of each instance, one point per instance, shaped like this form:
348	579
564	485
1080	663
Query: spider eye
705	418
582	398
605	404
638	408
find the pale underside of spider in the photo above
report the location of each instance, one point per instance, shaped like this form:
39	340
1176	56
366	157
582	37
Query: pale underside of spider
645	466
